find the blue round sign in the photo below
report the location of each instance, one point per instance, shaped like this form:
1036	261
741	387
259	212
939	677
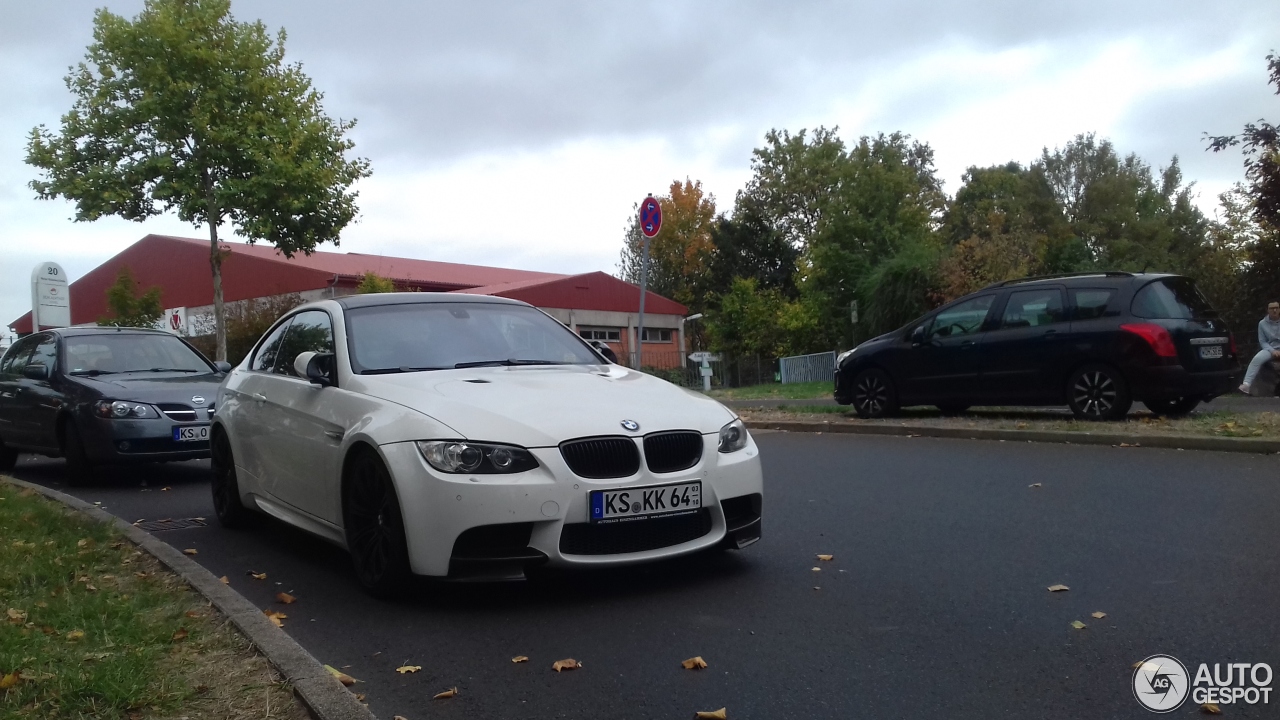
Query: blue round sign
650	216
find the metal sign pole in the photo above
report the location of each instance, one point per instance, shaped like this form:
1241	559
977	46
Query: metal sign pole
644	280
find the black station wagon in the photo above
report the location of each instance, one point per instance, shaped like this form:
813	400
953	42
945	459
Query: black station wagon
1094	342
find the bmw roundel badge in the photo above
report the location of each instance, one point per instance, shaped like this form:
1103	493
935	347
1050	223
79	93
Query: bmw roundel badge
630	425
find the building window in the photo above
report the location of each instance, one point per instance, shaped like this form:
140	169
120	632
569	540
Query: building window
657	335
605	334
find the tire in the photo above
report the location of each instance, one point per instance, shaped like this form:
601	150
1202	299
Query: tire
1175	407
227	504
874	395
374	527
8	458
952	409
1098	392
80	470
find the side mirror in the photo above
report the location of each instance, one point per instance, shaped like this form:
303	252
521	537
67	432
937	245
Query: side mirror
36	371
606	351
917	336
222	366
316	367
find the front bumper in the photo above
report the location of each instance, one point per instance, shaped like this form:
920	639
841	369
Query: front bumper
546	509
133	440
1174	381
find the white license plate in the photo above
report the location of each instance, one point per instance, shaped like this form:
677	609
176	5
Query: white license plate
190	433
1209	352
641	503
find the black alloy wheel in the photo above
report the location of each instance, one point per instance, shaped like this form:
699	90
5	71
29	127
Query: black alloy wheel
1174	407
8	457
873	394
1098	392
375	527
227	505
949	409
80	470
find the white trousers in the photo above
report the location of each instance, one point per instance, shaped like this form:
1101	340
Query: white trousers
1255	365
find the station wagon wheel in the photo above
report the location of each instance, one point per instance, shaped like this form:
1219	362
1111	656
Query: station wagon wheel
1098	392
227	505
374	527
874	395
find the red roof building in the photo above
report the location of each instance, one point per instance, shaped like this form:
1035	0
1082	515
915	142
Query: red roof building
596	305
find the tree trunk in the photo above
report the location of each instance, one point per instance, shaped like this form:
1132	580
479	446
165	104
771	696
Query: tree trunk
215	263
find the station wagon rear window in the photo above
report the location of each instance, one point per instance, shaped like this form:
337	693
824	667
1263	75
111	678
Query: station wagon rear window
1172	299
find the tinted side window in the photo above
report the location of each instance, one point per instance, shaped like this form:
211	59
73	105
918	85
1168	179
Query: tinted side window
46	353
1033	308
310	331
1171	299
269	350
963	319
1091	303
16	359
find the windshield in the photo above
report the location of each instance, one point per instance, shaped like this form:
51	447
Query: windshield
1172	299
112	353
438	336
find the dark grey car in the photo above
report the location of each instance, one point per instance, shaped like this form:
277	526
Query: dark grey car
97	395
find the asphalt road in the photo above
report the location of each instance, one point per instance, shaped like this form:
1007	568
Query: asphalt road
935	605
1226	403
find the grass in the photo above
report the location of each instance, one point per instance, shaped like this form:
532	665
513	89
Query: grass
1265	425
92	627
776	391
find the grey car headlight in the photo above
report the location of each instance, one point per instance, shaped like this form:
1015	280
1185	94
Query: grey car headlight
464	456
119	410
733	437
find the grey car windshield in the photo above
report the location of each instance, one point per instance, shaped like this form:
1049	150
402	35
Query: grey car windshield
438	336
111	353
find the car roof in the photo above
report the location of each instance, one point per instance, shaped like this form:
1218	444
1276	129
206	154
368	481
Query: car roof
84	330
1111	278
412	298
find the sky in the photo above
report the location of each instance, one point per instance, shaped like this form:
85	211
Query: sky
521	133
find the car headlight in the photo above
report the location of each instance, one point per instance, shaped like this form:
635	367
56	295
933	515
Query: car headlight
462	456
840	358
118	410
733	437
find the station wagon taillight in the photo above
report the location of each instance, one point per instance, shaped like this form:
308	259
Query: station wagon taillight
1157	337
1231	337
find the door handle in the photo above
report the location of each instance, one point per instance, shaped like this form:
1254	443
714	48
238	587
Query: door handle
259	397
966	344
334	435
1048	334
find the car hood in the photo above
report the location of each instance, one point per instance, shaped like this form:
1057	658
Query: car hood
155	387
541	406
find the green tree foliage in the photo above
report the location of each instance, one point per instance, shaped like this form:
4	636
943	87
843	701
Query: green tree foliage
185	109
128	309
374	283
747	320
678	255
747	246
1261	144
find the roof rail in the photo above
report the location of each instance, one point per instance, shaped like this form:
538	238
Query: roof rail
1055	276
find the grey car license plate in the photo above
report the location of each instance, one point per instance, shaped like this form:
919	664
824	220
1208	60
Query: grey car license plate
641	503
1209	352
190	433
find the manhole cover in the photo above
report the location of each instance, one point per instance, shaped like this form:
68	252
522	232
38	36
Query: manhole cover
170	524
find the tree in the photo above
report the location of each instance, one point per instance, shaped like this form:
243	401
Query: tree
747	246
1261	145
374	283
185	109
127	308
678	254
793	180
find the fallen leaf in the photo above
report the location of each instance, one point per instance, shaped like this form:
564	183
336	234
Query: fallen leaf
285	598
520	659
815	587
1035	485
446	694
90	587
827	557
694	663
360	697
1077	624
566	664
256	575
190	551
75	635
49	630
164	489
720	714
399	717
1058	588
343	678
17	617
142	575
275	617
1211	708
8	681
192	613
817	569
82	543
180	635
117	545
406	669
1097	615
224	580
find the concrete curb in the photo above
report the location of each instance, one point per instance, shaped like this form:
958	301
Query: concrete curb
319	691
1179	442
